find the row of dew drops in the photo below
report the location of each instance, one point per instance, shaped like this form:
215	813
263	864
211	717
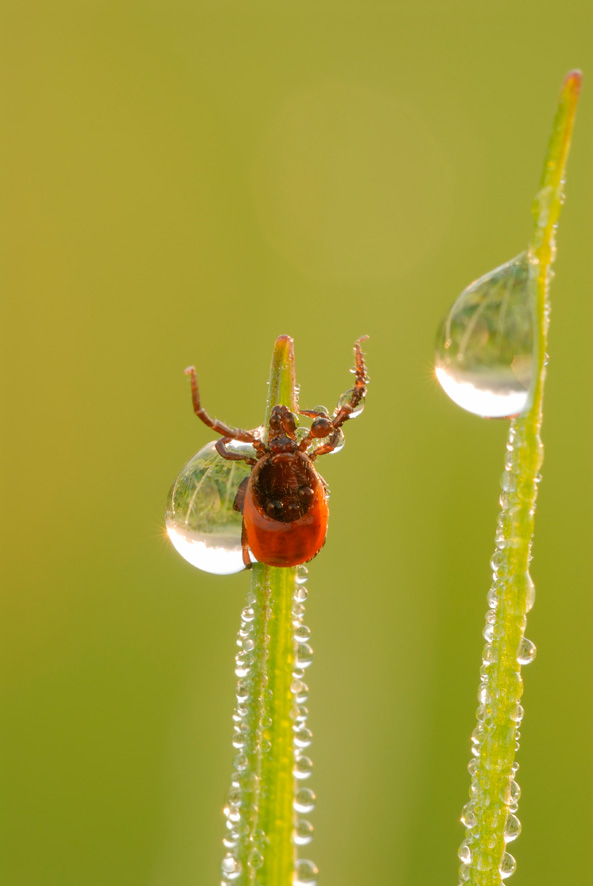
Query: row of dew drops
486	363
241	807
476	861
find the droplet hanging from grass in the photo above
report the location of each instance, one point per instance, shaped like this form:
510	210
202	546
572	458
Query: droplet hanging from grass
201	522
485	346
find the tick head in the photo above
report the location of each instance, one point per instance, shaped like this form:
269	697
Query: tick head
282	430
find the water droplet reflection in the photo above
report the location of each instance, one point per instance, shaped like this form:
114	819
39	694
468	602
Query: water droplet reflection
200	519
485	347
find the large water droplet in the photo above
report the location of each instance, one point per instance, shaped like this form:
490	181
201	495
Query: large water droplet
485	347
200	519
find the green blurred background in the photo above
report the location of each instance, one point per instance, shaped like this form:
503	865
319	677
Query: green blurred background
182	182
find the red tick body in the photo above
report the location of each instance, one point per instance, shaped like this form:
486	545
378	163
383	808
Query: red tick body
285	510
284	499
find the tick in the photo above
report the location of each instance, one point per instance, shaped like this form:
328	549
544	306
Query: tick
284	499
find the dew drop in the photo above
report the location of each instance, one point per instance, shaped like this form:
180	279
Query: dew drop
526	652
345	398
300	690
242	691
302	573
488	632
255	859
231	867
298	610
464	853
229	842
248	614
530	593
200	519
340	441
303	737
304	655
516	713
483	861
493	598
485	348
321	409
300	714
484	695
468	816
512	828
303	832
304	800
510	793
303	767
302	634
508	866
305	873
489	654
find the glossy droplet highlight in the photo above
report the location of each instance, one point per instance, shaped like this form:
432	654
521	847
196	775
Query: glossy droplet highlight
200	519
485	347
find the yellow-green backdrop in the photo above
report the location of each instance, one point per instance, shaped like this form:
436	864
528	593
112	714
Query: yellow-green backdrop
182	181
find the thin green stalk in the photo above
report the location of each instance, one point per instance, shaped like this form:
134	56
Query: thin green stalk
276	809
490	817
277	585
260	811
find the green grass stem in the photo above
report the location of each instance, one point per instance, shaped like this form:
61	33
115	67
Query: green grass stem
260	812
490	819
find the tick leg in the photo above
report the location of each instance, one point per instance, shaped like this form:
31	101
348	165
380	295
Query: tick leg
359	390
245	548
327	447
240	496
220	447
330	427
218	426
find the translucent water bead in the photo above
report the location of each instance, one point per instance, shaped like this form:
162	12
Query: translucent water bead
200	519
346	397
305	874
485	347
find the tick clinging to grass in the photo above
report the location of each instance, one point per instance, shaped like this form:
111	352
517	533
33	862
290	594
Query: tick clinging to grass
284	500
